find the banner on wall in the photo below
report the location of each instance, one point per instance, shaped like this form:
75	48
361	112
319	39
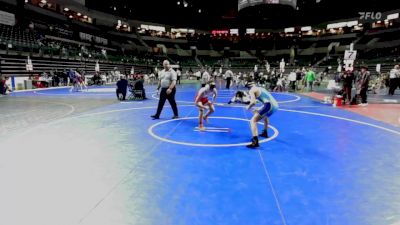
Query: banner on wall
90	38
7	18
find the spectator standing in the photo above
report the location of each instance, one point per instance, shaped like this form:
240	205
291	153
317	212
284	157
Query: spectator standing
228	75
394	79
299	77
178	74
167	83
310	78
362	84
205	77
292	80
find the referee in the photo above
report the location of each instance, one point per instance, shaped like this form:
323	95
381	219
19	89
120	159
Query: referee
167	82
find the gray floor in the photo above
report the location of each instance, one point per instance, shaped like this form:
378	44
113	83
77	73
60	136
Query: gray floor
20	113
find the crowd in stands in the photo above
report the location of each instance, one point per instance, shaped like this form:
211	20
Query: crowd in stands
34	41
61	39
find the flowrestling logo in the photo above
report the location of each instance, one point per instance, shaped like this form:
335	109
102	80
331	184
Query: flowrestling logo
370	16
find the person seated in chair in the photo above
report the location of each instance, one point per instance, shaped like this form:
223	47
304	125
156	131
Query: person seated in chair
122	86
138	86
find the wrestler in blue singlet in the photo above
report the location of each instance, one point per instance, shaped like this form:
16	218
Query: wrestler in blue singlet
270	105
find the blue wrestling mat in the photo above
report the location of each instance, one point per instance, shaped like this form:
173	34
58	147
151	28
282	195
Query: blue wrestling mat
115	165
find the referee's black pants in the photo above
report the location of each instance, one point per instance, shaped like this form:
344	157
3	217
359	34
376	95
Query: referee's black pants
171	100
393	83
228	82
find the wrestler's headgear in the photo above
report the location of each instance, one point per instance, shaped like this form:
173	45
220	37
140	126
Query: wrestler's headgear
210	85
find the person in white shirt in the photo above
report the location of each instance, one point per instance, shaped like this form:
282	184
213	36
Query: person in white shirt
394	79
267	67
167	84
178	74
152	78
205	77
236	79
146	79
292	80
187	75
280	85
197	75
282	66
228	75
215	74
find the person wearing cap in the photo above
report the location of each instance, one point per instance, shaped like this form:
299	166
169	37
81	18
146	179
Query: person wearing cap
362	84
269	106
202	102
167	83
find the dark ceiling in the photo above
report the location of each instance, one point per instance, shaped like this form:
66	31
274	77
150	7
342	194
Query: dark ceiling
224	13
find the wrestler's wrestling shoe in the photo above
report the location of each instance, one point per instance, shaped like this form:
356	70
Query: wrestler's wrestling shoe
254	143
202	128
264	134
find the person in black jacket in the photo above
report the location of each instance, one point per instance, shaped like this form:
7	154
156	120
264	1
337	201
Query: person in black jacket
139	86
347	79
362	84
122	86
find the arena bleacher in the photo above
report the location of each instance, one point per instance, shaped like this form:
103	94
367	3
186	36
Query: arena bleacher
81	43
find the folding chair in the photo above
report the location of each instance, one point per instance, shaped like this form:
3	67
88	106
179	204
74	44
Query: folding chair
138	94
131	95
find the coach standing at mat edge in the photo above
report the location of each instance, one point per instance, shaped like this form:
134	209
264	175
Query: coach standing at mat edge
167	82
